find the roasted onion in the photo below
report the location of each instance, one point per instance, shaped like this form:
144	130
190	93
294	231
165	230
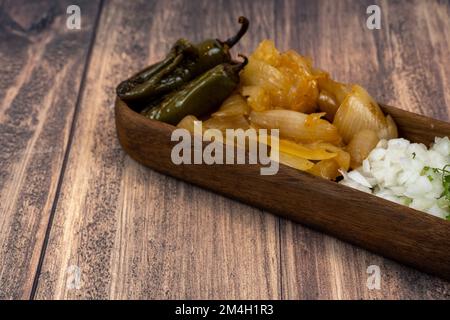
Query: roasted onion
328	169
342	157
229	122
187	123
274	80
290	160
357	112
235	105
328	104
310	152
360	146
296	125
390	131
336	90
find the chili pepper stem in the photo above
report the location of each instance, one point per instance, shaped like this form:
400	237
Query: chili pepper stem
233	40
240	66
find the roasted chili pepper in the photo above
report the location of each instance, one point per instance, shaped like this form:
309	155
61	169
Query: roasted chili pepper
133	89
201	96
183	63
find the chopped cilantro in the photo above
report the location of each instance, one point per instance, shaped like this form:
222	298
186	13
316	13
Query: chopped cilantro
445	180
446	184
424	171
445	176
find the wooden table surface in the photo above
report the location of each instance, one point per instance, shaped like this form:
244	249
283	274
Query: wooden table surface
71	200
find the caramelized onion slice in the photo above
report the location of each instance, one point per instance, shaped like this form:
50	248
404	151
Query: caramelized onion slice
361	145
328	169
390	131
257	97
342	157
328	104
187	123
310	152
235	105
290	160
229	122
336	90
357	112
296	125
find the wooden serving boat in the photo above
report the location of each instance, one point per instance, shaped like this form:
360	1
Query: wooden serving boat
412	237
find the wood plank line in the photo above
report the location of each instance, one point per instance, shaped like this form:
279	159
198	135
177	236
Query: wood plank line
41	65
137	234
399	66
66	155
132	232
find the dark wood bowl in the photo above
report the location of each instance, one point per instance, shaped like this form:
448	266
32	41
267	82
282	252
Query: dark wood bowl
395	231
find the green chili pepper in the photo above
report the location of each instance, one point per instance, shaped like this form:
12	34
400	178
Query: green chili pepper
183	63
201	96
181	46
133	88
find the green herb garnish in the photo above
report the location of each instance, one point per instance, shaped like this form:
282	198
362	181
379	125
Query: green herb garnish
446	182
446	185
424	171
445	174
408	201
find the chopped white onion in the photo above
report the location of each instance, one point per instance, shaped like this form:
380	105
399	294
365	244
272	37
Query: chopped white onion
394	170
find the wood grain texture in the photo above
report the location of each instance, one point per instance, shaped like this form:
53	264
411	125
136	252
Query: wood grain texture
135	233
422	240
405	64
41	64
